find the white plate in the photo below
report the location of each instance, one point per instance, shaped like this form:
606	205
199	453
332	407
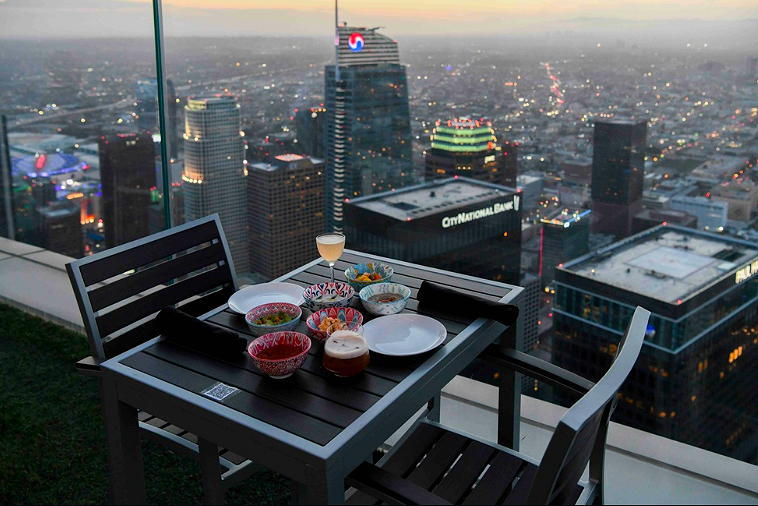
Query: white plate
404	334
251	296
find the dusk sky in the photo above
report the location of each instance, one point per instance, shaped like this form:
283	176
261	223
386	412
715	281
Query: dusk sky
98	18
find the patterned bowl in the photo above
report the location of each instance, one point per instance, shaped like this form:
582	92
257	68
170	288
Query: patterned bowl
385	272
324	295
269	309
352	317
279	354
385	308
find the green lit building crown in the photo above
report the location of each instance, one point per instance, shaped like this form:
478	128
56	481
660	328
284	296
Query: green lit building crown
463	135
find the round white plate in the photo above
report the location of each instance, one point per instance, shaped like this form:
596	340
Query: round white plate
403	334
251	296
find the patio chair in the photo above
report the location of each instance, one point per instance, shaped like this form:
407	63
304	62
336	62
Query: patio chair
120	290
434	464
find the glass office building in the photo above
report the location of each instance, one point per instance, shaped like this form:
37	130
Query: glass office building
285	212
214	170
458	224
695	380
618	169
368	134
564	235
127	174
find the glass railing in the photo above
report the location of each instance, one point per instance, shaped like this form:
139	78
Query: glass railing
433	142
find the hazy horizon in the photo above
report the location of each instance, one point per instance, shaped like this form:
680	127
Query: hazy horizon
726	23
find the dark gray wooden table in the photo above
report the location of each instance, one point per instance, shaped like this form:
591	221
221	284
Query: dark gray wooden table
312	427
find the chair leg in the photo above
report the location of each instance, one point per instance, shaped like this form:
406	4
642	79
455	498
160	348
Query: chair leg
434	408
210	471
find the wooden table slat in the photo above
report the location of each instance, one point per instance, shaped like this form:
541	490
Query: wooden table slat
277	391
312	429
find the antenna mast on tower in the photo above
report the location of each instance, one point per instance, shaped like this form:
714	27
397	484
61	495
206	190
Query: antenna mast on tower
336	43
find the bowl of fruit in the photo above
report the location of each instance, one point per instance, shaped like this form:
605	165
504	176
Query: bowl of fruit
362	275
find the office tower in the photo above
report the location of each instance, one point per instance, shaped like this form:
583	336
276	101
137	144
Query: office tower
531	185
7	228
285	210
271	145
649	218
465	147
528	326
565	235
127	175
147	111
711	214
695	378
43	190
740	194
618	160
751	67
510	163
214	170
61	228
368	135
310	126
457	224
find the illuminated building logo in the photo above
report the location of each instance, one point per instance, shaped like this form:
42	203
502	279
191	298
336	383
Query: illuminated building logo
746	272
496	208
355	42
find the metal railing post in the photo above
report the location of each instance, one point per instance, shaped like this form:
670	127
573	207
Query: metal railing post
160	69
509	400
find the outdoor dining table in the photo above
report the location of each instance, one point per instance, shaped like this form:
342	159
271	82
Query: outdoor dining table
312	427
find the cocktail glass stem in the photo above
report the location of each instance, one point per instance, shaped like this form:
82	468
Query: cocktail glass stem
331	270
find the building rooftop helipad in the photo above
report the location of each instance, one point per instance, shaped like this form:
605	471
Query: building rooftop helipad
668	263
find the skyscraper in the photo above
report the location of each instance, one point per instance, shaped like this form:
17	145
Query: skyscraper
368	131
310	125
465	147
510	163
61	228
618	167
695	378
285	212
147	111
214	170
127	175
457	224
565	235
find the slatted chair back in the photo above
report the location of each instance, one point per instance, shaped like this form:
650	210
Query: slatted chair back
120	290
581	434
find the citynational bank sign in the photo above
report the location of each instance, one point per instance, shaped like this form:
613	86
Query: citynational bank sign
478	214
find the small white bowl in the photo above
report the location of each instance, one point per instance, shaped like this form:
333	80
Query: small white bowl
385	308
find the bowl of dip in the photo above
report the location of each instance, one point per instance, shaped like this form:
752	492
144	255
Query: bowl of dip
385	298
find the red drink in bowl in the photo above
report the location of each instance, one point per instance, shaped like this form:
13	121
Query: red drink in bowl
345	353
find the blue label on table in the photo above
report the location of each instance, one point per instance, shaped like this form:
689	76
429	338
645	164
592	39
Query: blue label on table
219	391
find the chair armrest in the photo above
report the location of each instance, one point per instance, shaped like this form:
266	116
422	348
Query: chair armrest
88	366
387	487
536	368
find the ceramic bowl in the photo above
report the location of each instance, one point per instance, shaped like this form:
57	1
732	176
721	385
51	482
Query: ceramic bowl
385	272
294	343
385	308
352	317
275	307
324	295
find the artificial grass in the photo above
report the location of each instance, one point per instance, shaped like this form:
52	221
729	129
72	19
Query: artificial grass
52	437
